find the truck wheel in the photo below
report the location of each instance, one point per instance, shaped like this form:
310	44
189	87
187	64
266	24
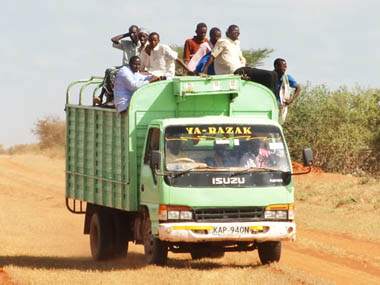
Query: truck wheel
120	249
100	236
269	251
156	251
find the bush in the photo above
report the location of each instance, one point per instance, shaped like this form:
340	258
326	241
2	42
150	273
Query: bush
50	132
342	127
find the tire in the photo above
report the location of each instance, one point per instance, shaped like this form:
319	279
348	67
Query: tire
156	251
120	243
269	251
101	234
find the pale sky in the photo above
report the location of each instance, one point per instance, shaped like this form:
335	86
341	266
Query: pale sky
48	44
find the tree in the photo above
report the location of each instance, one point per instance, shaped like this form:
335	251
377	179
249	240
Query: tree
50	131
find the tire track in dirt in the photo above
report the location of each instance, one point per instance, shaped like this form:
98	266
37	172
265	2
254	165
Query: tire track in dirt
340	269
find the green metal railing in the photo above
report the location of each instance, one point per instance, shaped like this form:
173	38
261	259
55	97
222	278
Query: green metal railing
86	82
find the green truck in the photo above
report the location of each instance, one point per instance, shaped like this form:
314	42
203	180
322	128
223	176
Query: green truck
196	165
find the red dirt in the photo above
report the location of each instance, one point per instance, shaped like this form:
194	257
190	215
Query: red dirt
4	278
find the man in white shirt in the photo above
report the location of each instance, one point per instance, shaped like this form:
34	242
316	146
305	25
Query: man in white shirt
226	54
159	59
129	48
127	81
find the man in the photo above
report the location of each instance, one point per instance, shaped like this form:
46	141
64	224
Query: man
129	48
258	154
284	84
143	35
192	45
128	80
226	53
158	59
205	48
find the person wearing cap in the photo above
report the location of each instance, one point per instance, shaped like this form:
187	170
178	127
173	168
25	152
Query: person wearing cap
129	47
143	35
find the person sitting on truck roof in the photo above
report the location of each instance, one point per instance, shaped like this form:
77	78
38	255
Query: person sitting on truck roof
129	48
226	53
158	59
192	45
200	58
128	80
285	82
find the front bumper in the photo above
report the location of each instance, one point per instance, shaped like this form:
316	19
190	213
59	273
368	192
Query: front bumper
242	231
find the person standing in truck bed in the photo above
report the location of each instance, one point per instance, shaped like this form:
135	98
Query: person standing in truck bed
199	59
192	45
159	59
226	55
129	47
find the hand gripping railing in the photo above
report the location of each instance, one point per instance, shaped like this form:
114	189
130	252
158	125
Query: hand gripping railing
92	80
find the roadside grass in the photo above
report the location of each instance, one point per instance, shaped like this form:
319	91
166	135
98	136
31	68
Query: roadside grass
339	204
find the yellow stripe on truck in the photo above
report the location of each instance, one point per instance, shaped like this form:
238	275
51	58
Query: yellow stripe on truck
192	227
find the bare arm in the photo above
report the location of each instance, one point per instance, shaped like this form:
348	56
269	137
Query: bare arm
184	65
207	65
296	93
117	38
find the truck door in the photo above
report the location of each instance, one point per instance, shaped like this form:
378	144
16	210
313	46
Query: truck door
149	188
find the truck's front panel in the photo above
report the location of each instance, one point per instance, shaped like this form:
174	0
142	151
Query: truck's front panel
224	182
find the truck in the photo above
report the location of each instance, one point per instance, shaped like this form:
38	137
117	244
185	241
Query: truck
196	165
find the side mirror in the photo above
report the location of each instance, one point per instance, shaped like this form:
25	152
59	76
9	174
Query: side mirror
156	159
308	157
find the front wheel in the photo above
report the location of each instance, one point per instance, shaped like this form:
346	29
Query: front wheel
269	251
156	251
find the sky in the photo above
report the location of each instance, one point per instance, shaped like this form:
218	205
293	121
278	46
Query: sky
46	45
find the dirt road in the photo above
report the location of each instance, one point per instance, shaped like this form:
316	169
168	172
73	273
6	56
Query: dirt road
38	233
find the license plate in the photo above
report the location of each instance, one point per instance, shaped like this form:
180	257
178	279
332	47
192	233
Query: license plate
231	230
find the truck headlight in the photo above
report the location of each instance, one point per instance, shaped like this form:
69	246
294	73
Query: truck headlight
279	212
169	212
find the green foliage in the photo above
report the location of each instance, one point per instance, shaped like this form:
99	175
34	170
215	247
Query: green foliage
50	132
255	58
342	127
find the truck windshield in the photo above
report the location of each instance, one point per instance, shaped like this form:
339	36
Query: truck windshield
232	148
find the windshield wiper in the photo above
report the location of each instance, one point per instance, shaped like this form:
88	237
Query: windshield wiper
254	169
179	173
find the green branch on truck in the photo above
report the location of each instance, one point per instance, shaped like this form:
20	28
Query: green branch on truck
196	165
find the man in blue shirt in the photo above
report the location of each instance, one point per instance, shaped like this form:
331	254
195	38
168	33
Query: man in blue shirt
128	80
280	68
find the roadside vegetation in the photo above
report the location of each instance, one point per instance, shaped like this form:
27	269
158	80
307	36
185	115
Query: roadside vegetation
342	127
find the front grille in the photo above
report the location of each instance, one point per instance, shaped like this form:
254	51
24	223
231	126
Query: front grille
229	214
